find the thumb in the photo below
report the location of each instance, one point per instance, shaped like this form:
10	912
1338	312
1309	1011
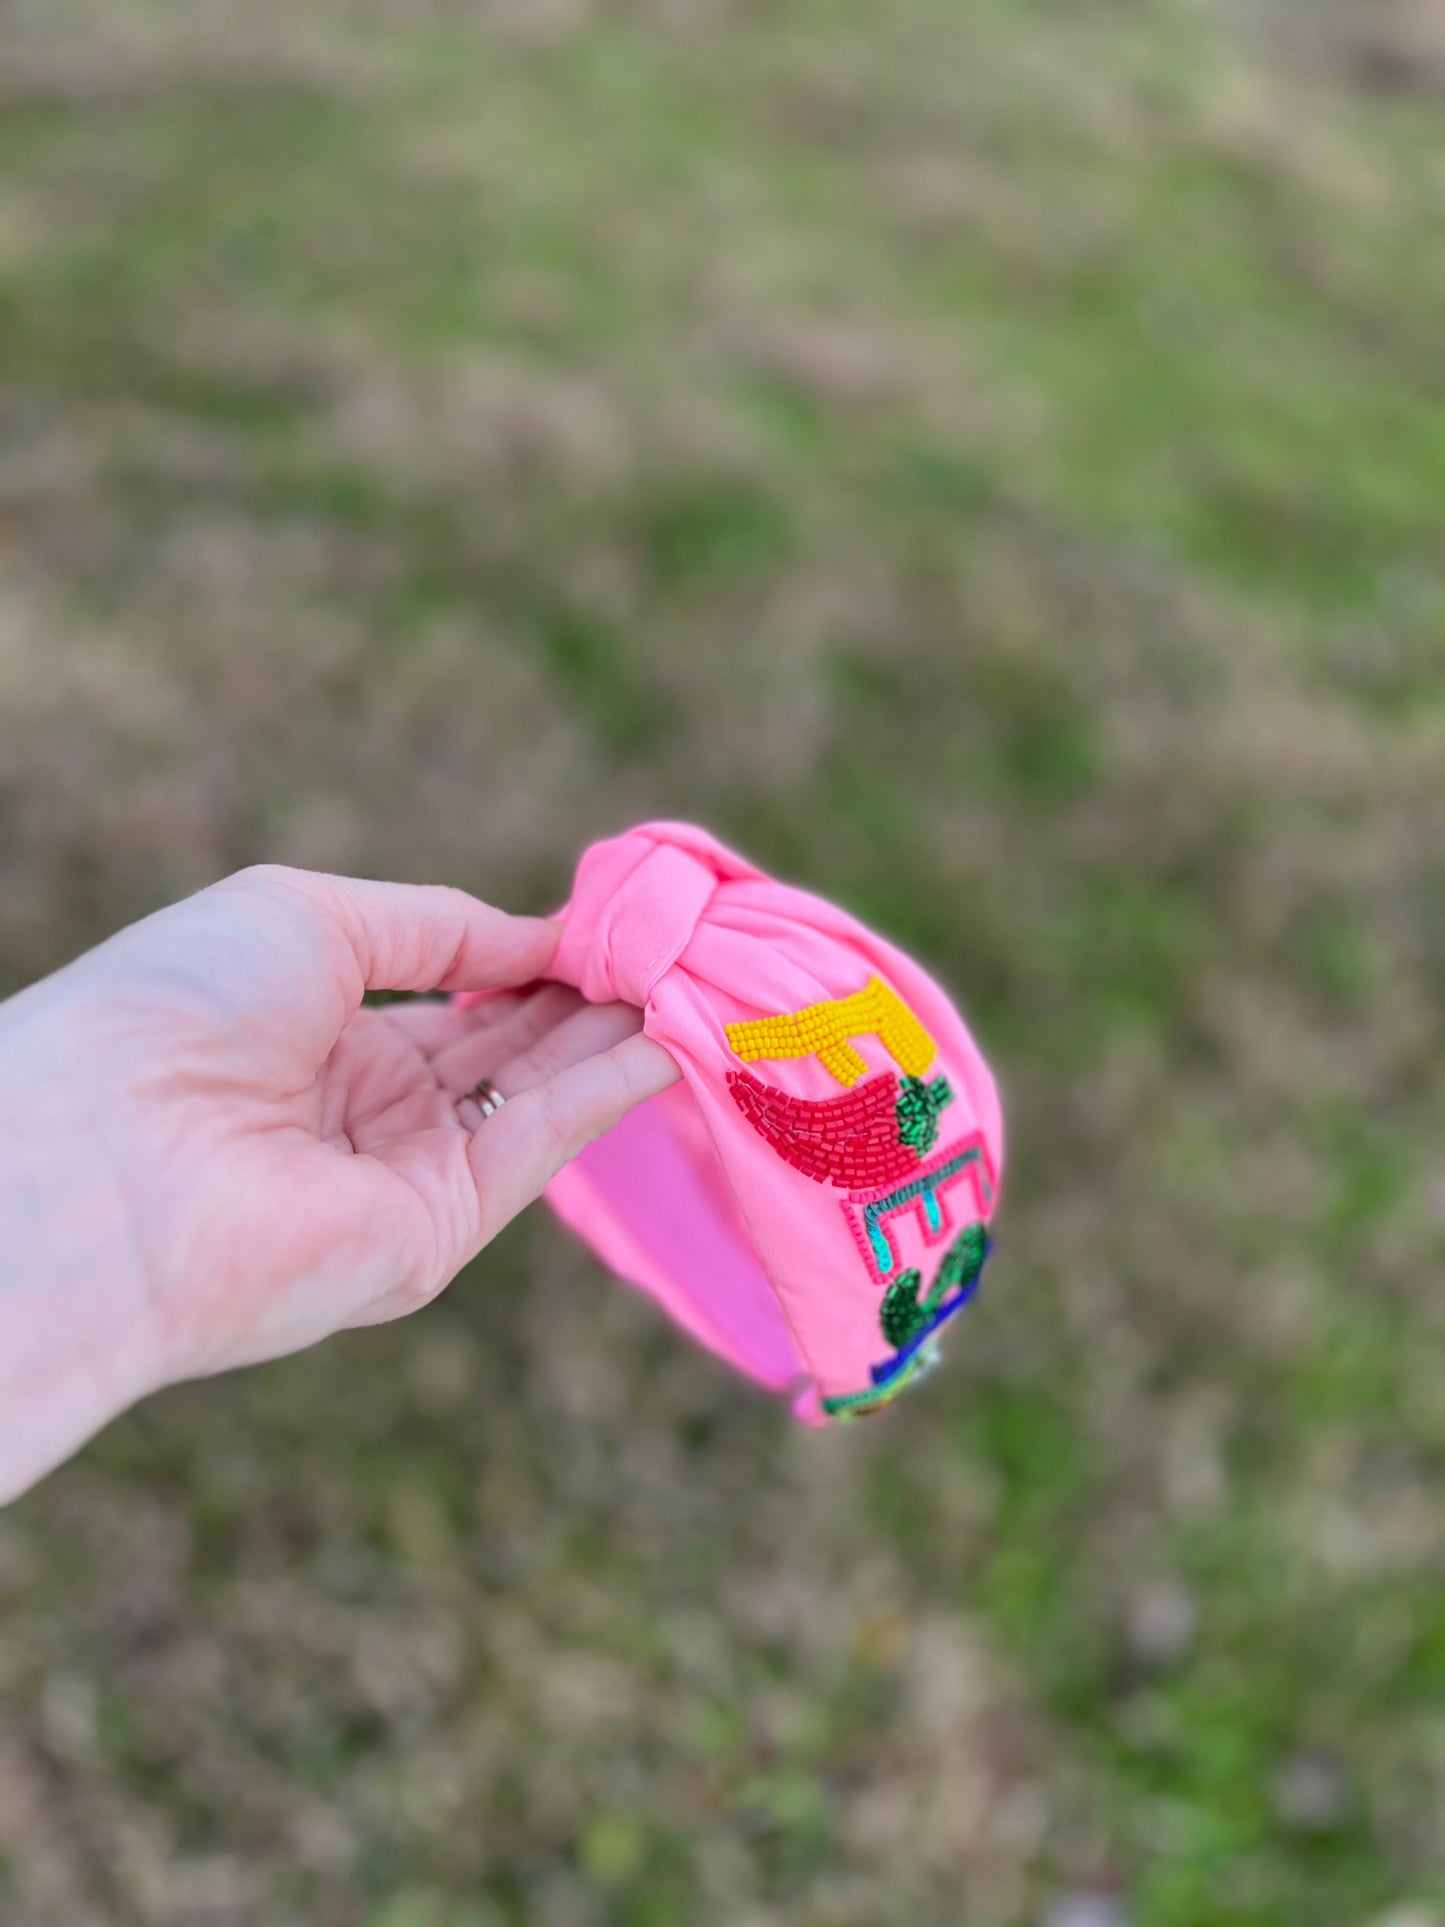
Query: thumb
516	1152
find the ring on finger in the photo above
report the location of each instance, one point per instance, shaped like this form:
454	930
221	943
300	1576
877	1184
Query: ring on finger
485	1095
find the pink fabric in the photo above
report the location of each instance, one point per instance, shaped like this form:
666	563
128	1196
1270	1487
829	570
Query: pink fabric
686	1199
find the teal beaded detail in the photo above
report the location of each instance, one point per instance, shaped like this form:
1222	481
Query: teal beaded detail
919	1103
868	1212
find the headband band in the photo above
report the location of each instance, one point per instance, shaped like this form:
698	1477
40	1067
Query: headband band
811	1200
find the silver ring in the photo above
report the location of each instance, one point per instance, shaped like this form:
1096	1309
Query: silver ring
485	1095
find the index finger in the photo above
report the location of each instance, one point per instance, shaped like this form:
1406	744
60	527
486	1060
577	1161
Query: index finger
422	936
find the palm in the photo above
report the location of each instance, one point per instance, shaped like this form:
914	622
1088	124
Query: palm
218	1154
381	1086
309	1168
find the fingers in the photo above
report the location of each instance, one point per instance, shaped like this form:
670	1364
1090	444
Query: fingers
562	1091
407	936
556	1030
520	1148
432	1024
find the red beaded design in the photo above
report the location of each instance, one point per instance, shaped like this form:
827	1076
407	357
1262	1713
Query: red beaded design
851	1141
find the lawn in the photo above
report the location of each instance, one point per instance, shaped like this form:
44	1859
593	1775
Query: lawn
988	462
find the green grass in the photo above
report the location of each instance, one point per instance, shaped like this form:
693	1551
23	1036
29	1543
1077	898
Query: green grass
987	462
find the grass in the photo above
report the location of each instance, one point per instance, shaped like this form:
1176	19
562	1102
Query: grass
986	462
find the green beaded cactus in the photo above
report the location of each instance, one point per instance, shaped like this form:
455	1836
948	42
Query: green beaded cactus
904	1314
963	1260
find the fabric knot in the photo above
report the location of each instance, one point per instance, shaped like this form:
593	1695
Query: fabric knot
634	908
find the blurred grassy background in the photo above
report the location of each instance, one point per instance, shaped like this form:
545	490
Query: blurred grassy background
988	461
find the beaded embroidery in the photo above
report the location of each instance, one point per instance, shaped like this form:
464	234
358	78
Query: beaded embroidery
875	1140
911	1326
918	1107
902	1314
824	1029
867	1212
905	1317
863	1139
849	1405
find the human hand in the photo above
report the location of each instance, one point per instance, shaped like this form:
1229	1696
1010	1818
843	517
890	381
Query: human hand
211	1153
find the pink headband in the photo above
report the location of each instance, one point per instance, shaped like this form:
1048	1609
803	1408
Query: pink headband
810	1200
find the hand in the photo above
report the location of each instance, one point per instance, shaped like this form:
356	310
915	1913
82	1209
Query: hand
211	1153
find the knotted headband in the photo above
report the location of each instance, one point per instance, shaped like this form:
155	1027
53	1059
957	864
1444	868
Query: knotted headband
810	1201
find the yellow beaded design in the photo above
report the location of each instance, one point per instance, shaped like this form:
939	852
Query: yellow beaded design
824	1030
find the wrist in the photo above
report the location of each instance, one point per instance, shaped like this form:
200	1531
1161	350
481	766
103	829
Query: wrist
77	1338
77	1349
